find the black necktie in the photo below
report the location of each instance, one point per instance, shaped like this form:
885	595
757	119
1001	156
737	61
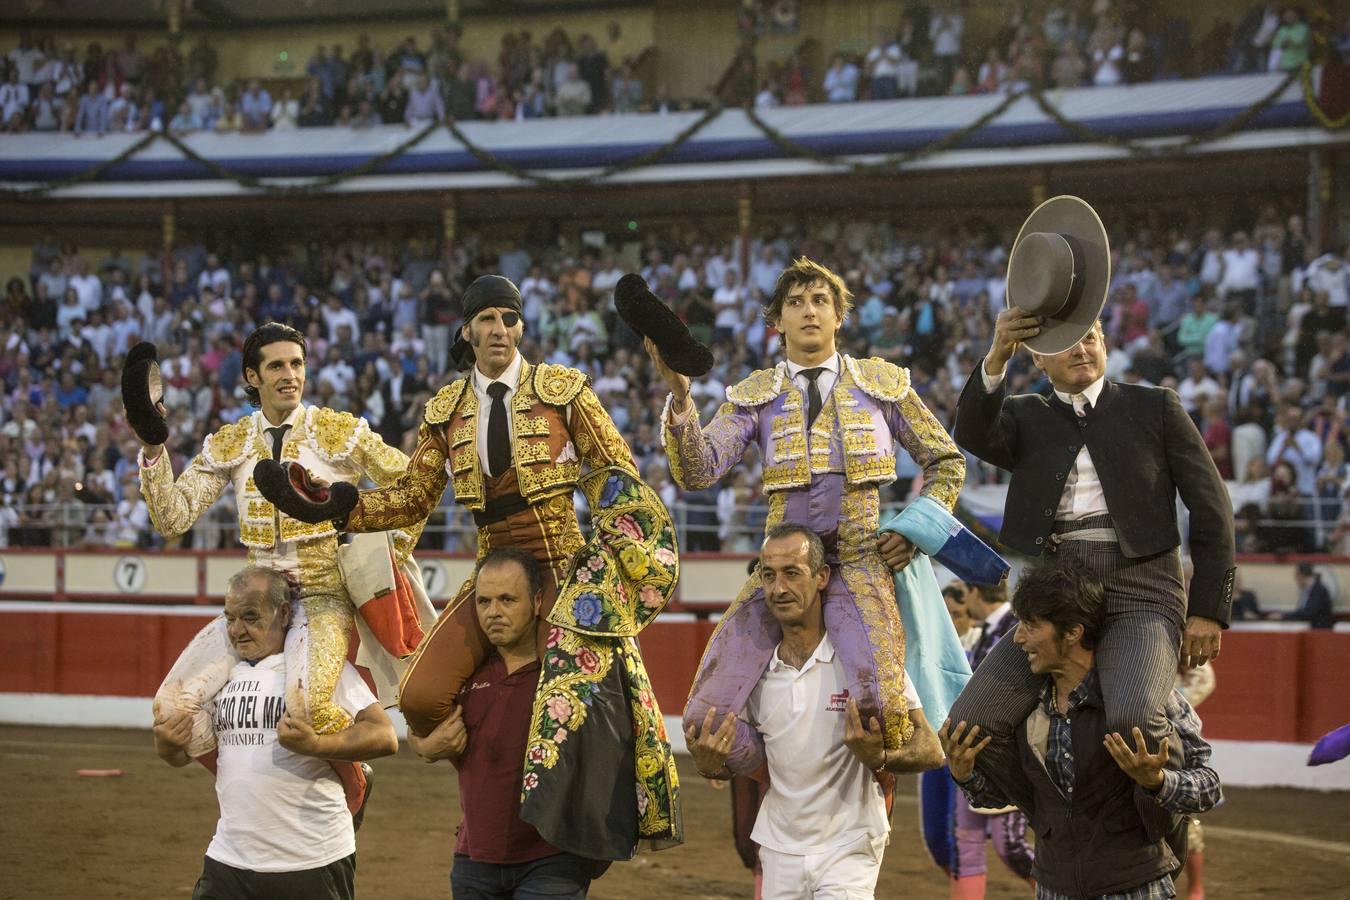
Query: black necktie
499	433
278	437
813	402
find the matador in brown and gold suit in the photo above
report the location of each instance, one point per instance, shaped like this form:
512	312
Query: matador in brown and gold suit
511	439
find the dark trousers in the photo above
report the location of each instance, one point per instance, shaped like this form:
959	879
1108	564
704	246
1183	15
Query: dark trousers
335	881
562	876
1136	660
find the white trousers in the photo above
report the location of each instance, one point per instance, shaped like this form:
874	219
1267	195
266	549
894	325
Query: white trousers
847	872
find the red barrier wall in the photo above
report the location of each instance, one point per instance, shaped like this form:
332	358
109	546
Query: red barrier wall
1291	686
1288	686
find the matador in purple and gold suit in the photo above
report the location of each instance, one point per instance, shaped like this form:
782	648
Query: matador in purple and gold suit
827	477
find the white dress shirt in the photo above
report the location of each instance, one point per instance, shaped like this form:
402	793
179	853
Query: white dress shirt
1083	496
510	378
825	381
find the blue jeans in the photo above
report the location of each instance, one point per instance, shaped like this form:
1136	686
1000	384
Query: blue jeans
561	876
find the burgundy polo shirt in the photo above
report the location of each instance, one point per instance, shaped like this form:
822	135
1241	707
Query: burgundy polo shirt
497	712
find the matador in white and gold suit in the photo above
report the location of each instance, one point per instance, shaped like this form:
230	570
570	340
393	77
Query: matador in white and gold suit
374	574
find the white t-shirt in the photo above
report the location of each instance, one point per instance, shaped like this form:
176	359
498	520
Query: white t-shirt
820	796
279	811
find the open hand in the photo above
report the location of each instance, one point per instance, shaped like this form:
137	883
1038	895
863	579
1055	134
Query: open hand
961	748
1144	767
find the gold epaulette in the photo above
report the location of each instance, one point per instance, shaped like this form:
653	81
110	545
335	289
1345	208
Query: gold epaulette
333	434
558	385
227	447
760	387
440	407
878	378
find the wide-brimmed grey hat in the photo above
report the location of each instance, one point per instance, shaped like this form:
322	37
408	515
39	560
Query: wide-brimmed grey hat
1060	270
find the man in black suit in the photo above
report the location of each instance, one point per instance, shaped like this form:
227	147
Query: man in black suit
1314	600
988	605
1096	469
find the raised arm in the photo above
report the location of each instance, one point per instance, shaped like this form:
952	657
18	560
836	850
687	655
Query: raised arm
175	504
984	426
699	457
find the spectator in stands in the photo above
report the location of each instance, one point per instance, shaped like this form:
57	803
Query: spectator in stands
1314	600
945	30
1138	64
1069	68
442	312
1107	55
882	67
314	109
256	107
593	68
573	95
626	89
1197	388
13	100
424	104
1294	444
841	80
47	111
1290	46
92	115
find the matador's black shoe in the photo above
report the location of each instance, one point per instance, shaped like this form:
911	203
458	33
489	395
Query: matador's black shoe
648	316
289	487
142	391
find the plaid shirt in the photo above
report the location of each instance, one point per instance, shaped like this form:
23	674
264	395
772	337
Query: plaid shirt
1192	787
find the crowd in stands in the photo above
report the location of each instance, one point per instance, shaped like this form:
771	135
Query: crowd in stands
1247	324
47	85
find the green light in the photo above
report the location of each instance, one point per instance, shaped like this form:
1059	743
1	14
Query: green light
285	56
632	225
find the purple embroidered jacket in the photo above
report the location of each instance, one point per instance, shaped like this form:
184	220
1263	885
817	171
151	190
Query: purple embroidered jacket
826	478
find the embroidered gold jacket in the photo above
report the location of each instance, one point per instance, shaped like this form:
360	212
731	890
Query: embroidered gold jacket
335	446
559	424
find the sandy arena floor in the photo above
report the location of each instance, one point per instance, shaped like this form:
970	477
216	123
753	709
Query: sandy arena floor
142	835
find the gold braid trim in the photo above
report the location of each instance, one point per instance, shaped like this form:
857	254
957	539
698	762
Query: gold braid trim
333	435
878	378
558	385
227	447
759	387
442	406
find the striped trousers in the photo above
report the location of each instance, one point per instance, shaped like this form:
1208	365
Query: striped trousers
1136	658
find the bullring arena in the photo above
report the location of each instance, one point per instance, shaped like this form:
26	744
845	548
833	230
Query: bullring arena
181	171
